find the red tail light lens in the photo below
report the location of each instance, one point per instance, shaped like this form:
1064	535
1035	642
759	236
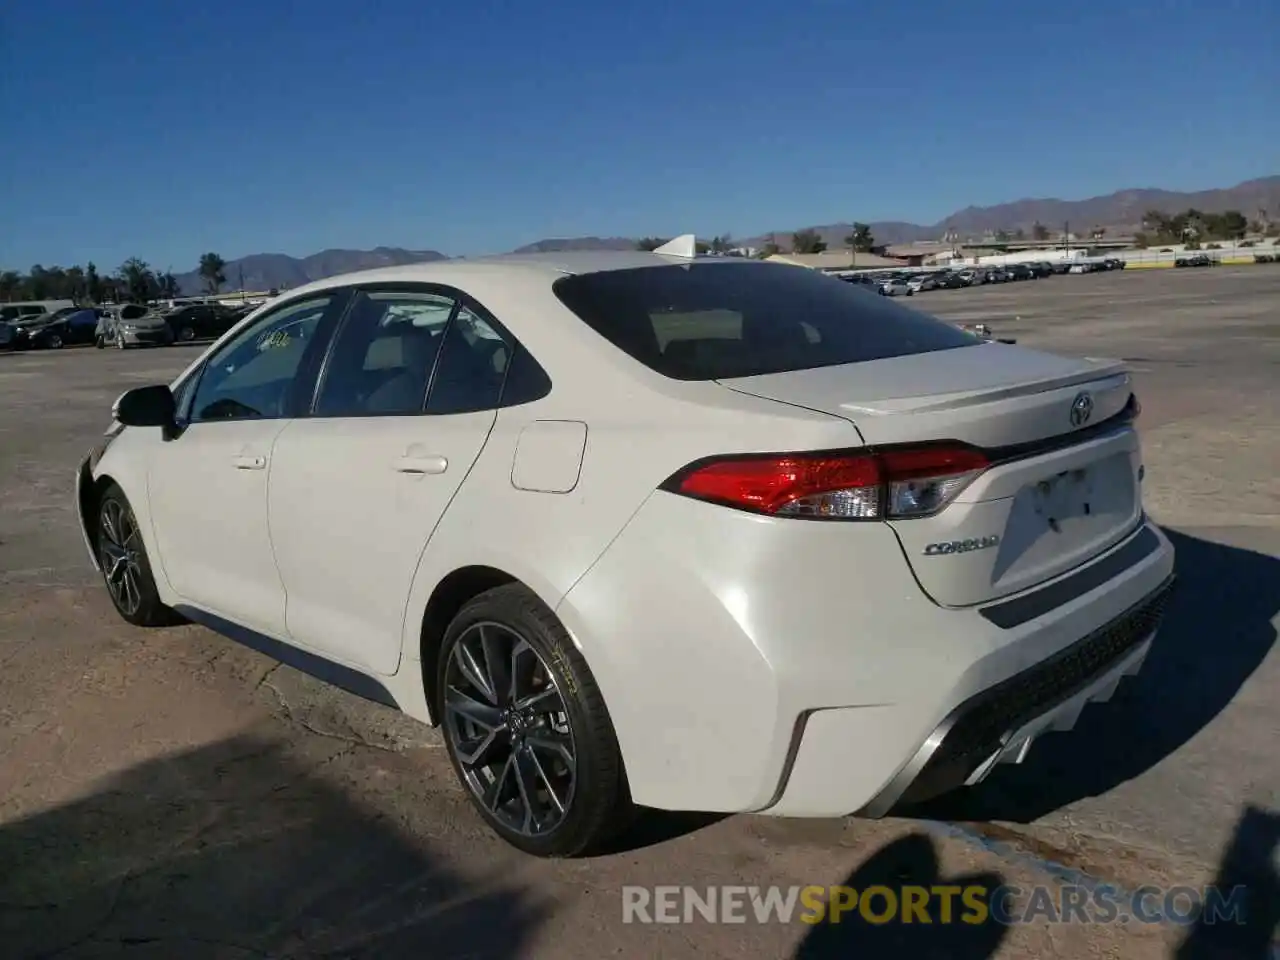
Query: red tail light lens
892	484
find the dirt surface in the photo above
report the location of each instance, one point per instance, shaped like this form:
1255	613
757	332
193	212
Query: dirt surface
169	794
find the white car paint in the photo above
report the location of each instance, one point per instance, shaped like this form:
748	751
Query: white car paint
749	662
896	288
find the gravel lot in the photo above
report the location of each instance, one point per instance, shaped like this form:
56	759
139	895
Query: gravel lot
169	794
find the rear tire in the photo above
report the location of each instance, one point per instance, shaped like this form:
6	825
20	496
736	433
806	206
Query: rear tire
126	569
526	727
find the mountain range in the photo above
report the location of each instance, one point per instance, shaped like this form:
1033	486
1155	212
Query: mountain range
266	271
1119	213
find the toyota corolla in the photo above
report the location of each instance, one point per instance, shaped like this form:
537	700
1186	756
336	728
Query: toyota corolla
647	528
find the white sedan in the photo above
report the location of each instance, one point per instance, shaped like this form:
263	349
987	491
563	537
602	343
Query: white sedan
697	534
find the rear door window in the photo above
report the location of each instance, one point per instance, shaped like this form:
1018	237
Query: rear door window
383	355
717	320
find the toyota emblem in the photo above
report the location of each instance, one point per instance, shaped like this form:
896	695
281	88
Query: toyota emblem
1081	409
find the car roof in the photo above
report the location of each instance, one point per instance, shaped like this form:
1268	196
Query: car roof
552	265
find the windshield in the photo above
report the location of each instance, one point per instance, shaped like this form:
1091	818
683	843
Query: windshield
714	321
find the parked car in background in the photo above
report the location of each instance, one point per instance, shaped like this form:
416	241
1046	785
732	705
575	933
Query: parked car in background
52	331
201	321
32	308
949	280
895	287
132	325
922	281
1197	260
861	280
1020	271
769	582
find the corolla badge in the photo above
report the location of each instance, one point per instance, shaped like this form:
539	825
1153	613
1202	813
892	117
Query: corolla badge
1081	409
948	547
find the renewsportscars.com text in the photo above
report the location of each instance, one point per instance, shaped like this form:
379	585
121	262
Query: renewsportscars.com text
939	904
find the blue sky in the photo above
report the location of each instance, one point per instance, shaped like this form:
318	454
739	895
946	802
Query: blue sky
163	129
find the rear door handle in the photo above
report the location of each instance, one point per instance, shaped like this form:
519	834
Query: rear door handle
249	462
421	466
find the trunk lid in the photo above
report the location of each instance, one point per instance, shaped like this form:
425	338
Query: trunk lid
1062	488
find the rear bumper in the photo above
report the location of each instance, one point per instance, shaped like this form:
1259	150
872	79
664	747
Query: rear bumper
797	669
999	724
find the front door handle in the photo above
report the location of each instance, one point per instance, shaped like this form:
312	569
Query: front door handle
247	461
421	466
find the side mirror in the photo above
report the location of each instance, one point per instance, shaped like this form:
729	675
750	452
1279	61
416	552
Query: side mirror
145	407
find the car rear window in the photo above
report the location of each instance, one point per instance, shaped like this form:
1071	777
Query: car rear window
717	320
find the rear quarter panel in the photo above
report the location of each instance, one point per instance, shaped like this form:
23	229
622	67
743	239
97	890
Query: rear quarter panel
635	439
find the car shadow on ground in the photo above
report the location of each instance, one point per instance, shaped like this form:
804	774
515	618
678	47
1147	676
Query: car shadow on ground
650	827
910	861
1250	866
237	850
1217	631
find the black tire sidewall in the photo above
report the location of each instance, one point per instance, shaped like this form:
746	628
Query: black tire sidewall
599	803
151	612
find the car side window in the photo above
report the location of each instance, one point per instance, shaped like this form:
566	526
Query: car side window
383	355
472	367
251	376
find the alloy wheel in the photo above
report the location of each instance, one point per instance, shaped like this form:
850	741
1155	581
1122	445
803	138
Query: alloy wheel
120	552
509	730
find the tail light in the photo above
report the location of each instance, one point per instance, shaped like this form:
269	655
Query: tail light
886	485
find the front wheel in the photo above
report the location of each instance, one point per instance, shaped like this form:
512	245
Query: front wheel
186	334
526	727
125	566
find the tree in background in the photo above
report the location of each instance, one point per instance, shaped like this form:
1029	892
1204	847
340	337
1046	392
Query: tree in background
1019	234
721	244
167	285
1097	233
770	249
807	241
860	240
1039	232
76	283
138	280
213	272
93	283
11	285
